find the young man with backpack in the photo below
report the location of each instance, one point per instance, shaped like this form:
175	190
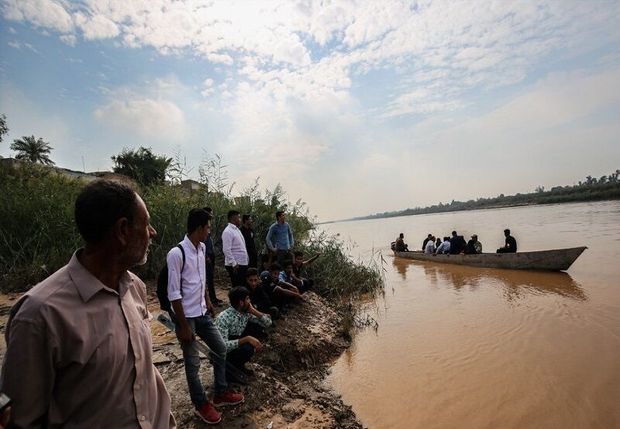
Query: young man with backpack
193	314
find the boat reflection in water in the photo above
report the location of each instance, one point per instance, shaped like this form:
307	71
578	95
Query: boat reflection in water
514	283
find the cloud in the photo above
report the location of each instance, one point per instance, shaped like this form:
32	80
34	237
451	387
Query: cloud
146	117
461	46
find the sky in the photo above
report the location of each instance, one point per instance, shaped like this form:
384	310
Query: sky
355	107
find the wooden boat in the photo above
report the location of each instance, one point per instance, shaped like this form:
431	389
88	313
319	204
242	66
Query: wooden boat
550	260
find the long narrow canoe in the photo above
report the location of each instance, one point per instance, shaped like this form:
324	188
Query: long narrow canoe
551	260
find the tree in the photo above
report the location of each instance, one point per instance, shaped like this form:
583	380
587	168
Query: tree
3	128
142	165
32	149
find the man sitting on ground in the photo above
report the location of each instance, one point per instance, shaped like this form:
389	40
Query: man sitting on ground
299	264
280	292
444	248
239	325
288	276
259	298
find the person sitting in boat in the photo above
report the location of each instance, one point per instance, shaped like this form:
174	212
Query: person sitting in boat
443	248
430	246
428	237
511	243
473	246
399	244
457	244
438	243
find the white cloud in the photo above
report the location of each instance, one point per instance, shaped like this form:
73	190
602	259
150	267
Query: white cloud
47	14
145	117
96	27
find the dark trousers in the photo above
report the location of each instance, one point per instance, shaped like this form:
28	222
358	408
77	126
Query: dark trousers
210	270
237	277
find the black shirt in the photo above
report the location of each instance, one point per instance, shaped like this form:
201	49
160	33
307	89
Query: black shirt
250	247
511	244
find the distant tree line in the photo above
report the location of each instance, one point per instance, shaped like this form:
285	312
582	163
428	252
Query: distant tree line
590	189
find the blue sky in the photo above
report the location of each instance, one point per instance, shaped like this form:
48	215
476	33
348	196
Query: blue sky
356	107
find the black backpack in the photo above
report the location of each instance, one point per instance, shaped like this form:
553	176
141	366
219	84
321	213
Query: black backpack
162	284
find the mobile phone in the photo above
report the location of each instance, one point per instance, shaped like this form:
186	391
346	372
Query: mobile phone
5	401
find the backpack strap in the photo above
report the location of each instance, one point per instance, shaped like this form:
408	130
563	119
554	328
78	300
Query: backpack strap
182	268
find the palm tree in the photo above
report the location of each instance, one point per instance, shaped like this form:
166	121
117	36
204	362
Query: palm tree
33	150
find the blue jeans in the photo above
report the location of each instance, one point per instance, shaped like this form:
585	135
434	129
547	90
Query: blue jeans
204	328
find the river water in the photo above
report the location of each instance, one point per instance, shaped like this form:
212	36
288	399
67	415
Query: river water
484	348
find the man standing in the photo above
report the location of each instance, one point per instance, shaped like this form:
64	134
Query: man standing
79	343
510	245
240	325
248	236
280	238
210	264
233	246
193	311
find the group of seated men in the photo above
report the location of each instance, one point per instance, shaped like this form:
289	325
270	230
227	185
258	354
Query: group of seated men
454	245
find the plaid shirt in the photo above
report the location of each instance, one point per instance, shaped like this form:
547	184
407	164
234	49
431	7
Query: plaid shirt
232	323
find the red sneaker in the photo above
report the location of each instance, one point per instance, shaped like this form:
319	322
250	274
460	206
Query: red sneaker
227	398
208	413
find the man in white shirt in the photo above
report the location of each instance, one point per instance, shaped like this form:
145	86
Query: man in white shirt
444	247
430	246
235	254
193	311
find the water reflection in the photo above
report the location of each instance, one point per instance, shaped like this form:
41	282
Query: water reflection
515	283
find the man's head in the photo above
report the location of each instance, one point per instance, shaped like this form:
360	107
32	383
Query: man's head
247	220
280	216
506	232
198	224
208	210
446	239
474	237
401	235
453	233
288	267
299	257
251	278
274	271
239	298
429	236
112	214
234	217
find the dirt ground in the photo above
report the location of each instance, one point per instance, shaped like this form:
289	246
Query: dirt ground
287	390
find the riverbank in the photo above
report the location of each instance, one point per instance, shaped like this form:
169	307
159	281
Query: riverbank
288	388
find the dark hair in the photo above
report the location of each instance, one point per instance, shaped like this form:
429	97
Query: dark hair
232	213
298	253
288	263
453	232
208	210
446	238
251	272
279	213
275	266
197	218
100	204
507	231
245	217
236	294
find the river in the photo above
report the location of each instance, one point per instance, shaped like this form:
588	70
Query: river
484	348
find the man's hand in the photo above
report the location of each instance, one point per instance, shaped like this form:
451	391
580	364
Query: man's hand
255	343
185	334
236	268
210	308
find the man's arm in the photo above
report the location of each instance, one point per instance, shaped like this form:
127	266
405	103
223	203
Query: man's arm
291	240
174	260
288	292
258	317
269	238
227	246
221	322
314	258
28	373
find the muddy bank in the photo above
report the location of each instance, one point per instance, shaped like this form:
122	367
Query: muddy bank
287	388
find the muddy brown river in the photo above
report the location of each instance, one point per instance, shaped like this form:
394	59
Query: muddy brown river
484	348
